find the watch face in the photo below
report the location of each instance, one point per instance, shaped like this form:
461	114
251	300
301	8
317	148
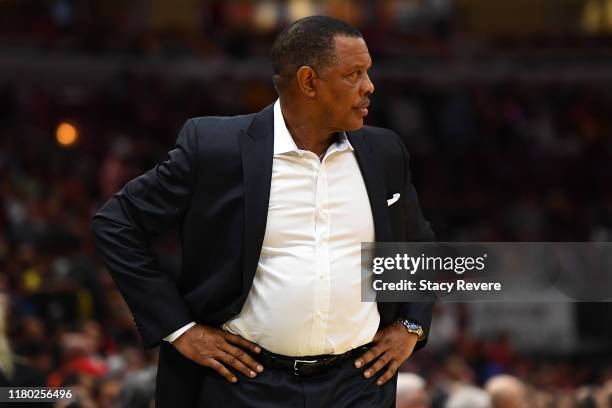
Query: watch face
413	327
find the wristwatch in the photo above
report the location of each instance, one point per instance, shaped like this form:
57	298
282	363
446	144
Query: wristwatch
412	327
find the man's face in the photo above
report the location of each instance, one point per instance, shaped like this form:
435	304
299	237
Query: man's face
343	96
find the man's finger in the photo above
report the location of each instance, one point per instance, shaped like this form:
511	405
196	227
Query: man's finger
221	369
242	342
234	361
382	361
388	374
368	356
243	356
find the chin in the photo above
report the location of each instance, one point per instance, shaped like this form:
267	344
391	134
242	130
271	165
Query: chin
354	124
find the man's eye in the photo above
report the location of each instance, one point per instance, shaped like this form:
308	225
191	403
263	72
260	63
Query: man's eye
355	75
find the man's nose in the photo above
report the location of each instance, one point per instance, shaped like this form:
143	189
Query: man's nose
368	86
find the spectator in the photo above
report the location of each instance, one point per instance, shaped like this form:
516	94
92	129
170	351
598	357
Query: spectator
506	391
411	392
468	397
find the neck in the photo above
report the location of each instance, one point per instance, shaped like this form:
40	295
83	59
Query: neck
305	129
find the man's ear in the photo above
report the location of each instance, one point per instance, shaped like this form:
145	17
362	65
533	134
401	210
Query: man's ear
305	77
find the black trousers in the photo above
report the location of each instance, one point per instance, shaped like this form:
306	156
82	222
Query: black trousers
182	383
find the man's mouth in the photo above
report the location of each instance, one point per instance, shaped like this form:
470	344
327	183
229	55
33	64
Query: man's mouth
363	109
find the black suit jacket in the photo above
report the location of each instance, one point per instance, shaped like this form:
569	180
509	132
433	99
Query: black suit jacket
215	184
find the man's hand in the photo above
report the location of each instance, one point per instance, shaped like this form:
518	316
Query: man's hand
219	350
392	346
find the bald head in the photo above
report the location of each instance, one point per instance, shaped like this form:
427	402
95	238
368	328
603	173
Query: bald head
466	396
411	391
506	391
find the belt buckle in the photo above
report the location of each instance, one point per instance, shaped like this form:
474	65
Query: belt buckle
296	368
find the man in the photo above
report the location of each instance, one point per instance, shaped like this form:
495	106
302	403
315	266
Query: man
467	396
273	207
411	391
506	391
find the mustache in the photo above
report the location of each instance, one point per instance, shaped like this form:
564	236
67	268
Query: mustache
363	104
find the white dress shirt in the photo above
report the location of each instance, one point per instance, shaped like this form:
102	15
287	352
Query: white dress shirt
306	294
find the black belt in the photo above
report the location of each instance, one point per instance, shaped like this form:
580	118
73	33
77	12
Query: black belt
307	366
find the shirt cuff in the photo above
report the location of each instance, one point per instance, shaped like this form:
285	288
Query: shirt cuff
173	336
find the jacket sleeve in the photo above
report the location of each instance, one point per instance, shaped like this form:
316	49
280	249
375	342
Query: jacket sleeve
124	227
419	231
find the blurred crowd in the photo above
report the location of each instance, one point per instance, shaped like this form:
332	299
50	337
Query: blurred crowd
500	391
493	159
491	162
225	30
209	29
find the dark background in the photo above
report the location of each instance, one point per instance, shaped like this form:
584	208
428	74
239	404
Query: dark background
504	106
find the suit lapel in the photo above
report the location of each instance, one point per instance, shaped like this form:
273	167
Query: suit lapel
371	169
257	151
372	172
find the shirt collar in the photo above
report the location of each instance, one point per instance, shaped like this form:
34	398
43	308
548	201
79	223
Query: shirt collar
283	142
